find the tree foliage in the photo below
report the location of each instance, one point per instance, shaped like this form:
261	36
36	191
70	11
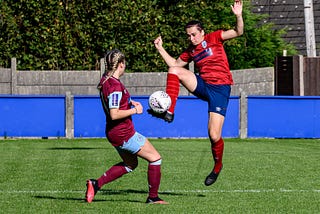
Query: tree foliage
74	35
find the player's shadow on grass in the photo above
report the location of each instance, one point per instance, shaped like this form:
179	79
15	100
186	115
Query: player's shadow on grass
62	198
109	192
75	148
133	191
82	200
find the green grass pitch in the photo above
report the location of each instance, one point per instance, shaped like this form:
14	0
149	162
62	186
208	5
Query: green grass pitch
259	176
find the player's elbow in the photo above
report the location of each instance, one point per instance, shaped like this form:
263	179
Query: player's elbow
114	115
239	31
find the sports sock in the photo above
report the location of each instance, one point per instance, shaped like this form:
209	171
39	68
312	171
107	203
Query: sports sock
217	153
154	177
172	89
112	174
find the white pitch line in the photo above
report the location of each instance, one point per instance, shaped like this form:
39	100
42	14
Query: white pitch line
40	191
165	191
242	191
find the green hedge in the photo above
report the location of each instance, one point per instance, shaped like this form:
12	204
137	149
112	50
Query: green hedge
74	35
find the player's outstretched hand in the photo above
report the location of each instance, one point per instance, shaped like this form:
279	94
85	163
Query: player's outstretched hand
158	42
237	7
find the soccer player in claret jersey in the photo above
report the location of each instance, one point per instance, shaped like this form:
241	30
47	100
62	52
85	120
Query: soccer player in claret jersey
212	84
119	107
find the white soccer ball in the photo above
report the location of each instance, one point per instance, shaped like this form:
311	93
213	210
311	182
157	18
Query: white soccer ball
159	101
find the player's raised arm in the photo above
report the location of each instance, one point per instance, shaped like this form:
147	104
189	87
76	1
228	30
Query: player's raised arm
170	61
238	31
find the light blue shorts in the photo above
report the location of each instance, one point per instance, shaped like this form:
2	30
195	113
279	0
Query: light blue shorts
133	145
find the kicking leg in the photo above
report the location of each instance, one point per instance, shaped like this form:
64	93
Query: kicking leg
174	77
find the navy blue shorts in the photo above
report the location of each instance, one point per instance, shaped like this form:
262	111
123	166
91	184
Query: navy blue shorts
217	96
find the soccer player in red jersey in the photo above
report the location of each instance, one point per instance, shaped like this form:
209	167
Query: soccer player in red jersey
119	107
212	84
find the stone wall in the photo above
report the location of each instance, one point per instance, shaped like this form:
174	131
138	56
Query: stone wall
259	81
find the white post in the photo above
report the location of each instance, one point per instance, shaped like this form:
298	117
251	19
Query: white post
301	77
309	28
284	53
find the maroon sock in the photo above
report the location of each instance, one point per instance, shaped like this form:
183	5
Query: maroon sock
112	174
172	89
217	153
154	177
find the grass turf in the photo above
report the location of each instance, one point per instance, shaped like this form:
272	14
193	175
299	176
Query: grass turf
259	176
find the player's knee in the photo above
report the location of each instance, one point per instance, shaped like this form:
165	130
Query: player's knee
214	137
157	162
174	70
130	167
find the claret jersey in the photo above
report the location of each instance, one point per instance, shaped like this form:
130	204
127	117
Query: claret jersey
210	59
115	95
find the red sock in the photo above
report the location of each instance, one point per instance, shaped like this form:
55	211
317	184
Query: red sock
154	177
112	174
217	153
173	87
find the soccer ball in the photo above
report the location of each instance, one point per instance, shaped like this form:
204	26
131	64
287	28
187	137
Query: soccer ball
159	101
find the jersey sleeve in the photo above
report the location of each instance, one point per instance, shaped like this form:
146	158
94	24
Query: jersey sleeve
112	92
216	36
114	99
185	55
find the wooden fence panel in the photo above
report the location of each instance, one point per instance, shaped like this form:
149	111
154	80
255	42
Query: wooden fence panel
311	72
287	78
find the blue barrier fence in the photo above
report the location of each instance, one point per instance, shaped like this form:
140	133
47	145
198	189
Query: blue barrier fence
267	116
190	119
284	116
32	116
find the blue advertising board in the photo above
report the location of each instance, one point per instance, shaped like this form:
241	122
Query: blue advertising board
191	119
284	116
32	116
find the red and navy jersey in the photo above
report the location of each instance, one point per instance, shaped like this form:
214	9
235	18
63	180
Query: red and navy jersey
115	95
210	58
